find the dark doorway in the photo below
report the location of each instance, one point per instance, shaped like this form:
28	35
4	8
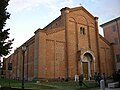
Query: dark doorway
85	70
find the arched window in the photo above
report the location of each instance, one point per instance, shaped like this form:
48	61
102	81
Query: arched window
82	30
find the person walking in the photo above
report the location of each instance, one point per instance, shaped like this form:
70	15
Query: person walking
98	79
81	81
95	76
104	78
118	76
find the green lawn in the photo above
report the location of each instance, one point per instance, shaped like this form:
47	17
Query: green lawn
18	84
47	85
72	85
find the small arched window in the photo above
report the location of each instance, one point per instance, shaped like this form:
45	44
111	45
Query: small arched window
82	30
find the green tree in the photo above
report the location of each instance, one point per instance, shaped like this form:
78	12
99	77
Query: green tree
5	43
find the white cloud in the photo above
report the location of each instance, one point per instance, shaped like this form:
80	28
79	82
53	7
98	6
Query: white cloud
104	9
19	5
100	8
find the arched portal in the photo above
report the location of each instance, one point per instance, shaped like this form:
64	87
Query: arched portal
87	62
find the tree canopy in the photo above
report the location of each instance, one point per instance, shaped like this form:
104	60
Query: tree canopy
5	43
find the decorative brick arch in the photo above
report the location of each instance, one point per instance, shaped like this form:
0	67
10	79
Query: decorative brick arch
88	58
88	52
81	18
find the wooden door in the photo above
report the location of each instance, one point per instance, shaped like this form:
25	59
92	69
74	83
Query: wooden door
85	70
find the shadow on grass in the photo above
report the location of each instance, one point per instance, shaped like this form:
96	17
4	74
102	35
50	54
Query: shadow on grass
16	85
10	88
71	85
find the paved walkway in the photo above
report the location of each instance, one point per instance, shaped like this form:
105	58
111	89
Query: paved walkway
112	88
107	89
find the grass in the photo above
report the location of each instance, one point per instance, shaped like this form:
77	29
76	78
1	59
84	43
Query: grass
18	84
72	85
47	85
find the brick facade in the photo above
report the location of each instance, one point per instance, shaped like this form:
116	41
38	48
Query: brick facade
68	46
112	34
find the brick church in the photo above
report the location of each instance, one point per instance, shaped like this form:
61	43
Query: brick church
68	46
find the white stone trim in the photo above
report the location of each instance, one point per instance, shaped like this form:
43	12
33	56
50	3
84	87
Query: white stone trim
89	67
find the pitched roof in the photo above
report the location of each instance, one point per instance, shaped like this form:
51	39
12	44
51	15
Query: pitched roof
70	10
81	7
102	25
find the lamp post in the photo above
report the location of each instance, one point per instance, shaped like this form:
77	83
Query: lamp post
23	54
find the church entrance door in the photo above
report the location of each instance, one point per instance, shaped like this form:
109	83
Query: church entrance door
85	70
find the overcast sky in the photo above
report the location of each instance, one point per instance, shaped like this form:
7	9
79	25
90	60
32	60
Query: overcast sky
29	15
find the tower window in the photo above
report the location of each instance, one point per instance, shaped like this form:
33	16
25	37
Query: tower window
113	28
118	57
116	40
82	30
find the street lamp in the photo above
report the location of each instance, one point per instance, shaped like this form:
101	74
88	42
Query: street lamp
23	54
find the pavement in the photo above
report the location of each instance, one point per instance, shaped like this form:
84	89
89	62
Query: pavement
112	88
106	89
